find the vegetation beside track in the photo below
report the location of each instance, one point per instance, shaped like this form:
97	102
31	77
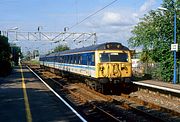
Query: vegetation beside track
33	62
154	34
5	59
9	56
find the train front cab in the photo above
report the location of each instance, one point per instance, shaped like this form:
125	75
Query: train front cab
114	69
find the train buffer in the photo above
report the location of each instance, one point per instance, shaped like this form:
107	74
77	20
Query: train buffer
23	98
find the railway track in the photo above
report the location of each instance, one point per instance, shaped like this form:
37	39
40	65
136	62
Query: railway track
96	106
91	111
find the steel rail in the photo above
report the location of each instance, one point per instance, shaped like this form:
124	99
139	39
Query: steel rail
57	95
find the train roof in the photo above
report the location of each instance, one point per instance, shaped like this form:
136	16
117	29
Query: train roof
104	46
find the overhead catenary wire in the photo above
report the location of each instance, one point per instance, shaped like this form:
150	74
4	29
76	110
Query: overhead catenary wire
92	14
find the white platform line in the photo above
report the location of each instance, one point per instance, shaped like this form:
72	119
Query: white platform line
158	87
58	96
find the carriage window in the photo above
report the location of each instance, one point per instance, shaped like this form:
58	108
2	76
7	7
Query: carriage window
114	57
72	59
80	59
84	59
93	58
75	59
66	59
60	59
69	59
104	57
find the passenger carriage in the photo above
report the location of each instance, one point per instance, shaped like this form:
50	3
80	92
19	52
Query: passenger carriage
105	67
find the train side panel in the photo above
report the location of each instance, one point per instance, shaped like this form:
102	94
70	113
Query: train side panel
77	69
84	66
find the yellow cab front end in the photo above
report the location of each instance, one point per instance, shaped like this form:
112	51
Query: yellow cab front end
114	65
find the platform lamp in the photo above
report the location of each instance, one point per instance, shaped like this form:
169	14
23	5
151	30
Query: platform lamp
174	46
39	31
66	29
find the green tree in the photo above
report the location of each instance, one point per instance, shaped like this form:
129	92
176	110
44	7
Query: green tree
61	48
5	50
5	53
154	33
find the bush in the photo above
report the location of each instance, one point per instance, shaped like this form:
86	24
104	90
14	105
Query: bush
5	68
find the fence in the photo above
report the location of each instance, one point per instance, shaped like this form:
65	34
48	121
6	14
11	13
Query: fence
151	71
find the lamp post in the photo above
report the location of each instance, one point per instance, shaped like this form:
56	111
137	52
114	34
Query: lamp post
174	78
174	50
39	28
66	29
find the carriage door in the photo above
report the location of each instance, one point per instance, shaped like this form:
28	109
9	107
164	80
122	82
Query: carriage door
88	63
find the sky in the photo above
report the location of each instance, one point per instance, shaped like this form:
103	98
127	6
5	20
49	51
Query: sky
112	24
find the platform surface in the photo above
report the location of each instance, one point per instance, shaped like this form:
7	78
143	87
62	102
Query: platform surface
162	84
40	104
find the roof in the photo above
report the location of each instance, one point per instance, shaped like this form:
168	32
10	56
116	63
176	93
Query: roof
104	46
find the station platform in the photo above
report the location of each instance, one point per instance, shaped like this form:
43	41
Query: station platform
160	85
23	98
